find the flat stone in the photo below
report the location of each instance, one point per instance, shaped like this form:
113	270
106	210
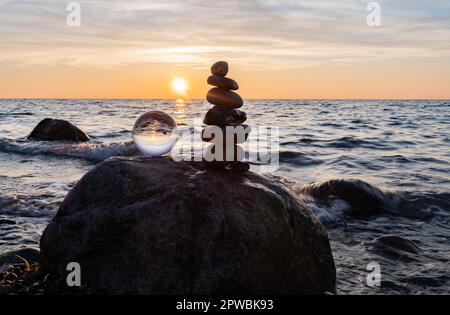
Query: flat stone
223	82
238	134
220	68
226	98
223	116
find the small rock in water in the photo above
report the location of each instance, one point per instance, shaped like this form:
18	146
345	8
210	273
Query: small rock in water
220	68
395	247
221	97
56	129
223	82
223	116
389	242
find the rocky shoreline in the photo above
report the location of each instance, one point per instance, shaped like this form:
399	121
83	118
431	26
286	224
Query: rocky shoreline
134	237
205	230
20	273
140	225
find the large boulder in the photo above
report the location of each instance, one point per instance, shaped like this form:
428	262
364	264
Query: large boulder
55	129
154	226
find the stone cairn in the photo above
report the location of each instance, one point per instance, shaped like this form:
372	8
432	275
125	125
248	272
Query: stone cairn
225	117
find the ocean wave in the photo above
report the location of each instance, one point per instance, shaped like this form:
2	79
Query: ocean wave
343	143
13	206
304	140
353	142
114	134
298	159
92	151
15	114
333	200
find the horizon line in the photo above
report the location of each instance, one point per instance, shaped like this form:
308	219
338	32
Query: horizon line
250	99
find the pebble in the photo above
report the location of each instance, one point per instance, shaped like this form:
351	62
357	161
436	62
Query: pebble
220	68
226	98
223	82
224	116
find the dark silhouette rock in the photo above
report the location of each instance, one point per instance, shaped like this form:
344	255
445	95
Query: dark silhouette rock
365	199
220	68
223	82
55	129
223	116
395	246
225	98
155	226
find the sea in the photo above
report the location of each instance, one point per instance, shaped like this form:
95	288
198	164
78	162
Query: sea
401	149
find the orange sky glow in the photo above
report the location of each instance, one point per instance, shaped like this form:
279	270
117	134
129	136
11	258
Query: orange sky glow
276	49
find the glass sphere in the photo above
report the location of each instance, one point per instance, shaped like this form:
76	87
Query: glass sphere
155	134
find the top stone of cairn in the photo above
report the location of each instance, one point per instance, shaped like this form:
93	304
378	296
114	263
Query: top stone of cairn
220	68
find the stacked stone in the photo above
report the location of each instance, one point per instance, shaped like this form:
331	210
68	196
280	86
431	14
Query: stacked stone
225	114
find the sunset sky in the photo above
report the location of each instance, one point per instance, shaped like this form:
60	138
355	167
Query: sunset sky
275	48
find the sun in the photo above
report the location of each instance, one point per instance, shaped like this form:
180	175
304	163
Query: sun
180	86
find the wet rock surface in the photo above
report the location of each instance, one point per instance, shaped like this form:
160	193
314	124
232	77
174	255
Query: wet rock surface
154	226
56	129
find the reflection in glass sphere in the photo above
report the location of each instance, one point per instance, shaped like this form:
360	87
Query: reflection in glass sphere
154	133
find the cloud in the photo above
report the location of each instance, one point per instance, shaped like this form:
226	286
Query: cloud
269	34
